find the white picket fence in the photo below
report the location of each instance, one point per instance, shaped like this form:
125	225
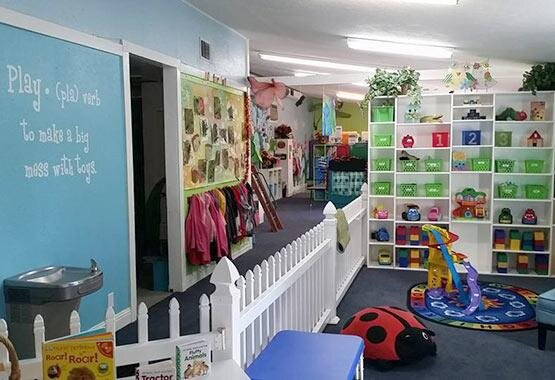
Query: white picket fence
297	288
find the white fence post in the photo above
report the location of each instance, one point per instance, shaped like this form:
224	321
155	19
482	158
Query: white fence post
204	311
330	232
39	332
225	305
4	357
74	323
364	228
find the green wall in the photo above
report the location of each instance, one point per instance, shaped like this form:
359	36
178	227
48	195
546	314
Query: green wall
357	122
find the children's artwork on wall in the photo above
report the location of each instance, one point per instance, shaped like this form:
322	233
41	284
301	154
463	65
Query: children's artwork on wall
469	76
214	142
328	115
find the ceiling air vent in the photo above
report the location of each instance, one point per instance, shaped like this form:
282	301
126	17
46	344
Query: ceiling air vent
205	50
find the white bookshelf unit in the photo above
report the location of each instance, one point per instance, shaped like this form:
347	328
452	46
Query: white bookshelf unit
477	235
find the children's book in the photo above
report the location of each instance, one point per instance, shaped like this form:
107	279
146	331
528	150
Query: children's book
158	371
87	356
193	359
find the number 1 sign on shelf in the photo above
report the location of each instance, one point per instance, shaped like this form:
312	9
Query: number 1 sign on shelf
440	139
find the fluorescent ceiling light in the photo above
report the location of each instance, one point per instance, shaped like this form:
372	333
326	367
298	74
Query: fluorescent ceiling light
314	63
389	47
360	84
437	2
302	74
349	95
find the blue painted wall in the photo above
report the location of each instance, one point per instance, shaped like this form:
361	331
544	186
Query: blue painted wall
63	162
172	27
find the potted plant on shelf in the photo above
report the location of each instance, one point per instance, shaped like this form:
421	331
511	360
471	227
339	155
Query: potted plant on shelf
539	78
392	84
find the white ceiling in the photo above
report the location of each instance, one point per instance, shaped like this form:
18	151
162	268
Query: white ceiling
510	30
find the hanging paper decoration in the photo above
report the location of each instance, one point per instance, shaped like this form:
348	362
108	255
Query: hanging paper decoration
328	115
265	93
469	76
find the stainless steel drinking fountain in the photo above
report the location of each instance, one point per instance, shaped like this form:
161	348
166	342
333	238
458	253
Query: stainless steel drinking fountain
53	292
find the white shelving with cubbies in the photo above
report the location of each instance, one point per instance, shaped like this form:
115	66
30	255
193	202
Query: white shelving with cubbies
468	139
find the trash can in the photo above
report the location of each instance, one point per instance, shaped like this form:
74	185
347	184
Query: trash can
53	292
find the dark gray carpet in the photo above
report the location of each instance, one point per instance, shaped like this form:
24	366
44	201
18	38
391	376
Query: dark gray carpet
462	354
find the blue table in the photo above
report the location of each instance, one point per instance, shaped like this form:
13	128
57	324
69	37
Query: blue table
299	355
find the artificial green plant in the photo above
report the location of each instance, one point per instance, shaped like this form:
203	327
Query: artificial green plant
539	78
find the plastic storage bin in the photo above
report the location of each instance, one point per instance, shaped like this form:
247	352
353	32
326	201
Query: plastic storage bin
533	166
382	188
434	189
480	164
504	166
408	189
507	190
381	164
409	165
382	114
433	165
535	191
381	140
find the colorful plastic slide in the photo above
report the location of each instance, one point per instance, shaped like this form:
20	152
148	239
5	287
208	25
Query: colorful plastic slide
473	288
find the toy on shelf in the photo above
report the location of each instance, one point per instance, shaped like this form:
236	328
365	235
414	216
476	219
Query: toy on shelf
407	141
472	204
440	139
384	256
502	262
403	255
443	278
380	235
505	217
529	217
503	138
380	212
539	241
522	263
514	240
459	161
424	238
527	242
537	110
535	140
414	261
541	264
401	235
414	235
473	114
475	101
412	213
434	214
406	156
431	119
472	137
511	114
499	239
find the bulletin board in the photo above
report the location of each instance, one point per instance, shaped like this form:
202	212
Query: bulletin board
214	133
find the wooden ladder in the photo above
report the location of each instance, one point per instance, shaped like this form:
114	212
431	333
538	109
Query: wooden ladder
265	201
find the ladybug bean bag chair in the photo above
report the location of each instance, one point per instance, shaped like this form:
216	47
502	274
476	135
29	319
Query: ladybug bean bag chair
391	335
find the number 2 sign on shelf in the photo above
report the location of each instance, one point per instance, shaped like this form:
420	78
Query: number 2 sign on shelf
440	139
471	137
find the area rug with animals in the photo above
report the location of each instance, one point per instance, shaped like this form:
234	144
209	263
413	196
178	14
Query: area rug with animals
504	308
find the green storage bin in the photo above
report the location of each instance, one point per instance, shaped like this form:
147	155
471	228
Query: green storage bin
381	164
381	140
409	165
359	150
408	189
434	189
533	166
480	164
433	165
381	114
507	190
504	166
535	191
382	188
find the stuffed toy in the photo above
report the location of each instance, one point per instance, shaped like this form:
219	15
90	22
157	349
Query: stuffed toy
391	335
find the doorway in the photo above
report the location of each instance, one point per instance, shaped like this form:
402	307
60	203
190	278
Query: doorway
149	169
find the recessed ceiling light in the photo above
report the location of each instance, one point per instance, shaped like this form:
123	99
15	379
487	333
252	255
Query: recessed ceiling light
314	63
303	74
389	47
438	2
349	95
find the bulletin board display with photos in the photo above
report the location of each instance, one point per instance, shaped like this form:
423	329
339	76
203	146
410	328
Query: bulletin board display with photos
214	133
